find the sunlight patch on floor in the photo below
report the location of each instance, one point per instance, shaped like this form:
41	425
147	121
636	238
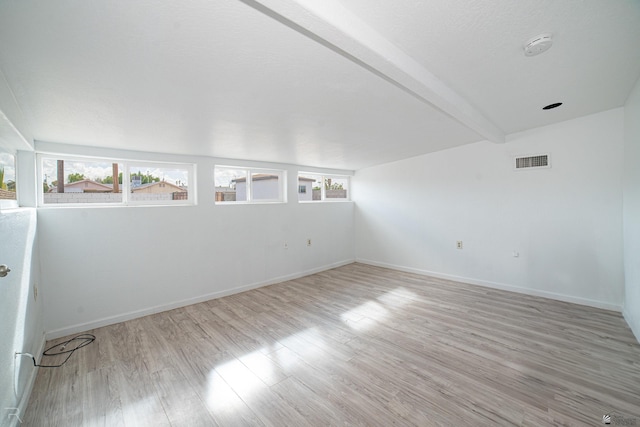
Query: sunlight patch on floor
371	313
398	297
308	344
146	410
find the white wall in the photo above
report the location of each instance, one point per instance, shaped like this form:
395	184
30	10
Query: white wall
104	265
565	222
21	325
632	210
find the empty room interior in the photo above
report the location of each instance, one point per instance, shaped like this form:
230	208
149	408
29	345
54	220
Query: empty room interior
308	213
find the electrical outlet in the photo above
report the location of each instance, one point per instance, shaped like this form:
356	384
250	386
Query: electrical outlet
308	242
286	245
516	254
459	244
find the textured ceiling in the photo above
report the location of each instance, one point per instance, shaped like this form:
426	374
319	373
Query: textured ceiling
476	47
263	80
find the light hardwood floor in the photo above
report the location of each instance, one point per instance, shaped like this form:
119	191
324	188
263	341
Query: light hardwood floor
357	345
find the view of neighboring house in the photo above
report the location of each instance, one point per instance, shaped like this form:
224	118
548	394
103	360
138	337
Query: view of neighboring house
158	188
306	193
85	186
104	193
90	186
264	187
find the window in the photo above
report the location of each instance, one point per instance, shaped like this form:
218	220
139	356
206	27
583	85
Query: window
263	186
158	183
323	187
111	182
8	194
66	181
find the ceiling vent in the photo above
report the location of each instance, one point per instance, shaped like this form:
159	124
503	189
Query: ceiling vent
533	162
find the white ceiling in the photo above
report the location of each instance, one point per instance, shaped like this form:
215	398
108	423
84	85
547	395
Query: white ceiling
339	84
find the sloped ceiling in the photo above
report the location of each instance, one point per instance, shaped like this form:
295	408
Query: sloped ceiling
339	84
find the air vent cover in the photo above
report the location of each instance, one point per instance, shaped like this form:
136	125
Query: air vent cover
529	162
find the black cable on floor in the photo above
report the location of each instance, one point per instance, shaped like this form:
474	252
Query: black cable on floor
78	341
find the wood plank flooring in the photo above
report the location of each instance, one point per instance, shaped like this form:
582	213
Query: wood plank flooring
357	345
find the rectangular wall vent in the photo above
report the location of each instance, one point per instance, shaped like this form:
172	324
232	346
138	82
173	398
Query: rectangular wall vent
528	162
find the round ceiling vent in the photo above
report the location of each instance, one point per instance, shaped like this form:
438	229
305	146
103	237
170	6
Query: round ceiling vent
538	44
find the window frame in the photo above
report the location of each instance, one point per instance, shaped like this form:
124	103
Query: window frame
250	171
323	178
125	187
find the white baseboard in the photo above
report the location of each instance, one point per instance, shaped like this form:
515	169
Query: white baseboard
501	286
634	323
26	394
83	327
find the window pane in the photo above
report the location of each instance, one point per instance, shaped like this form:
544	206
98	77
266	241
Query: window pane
266	186
336	187
231	184
152	183
309	188
7	177
82	181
